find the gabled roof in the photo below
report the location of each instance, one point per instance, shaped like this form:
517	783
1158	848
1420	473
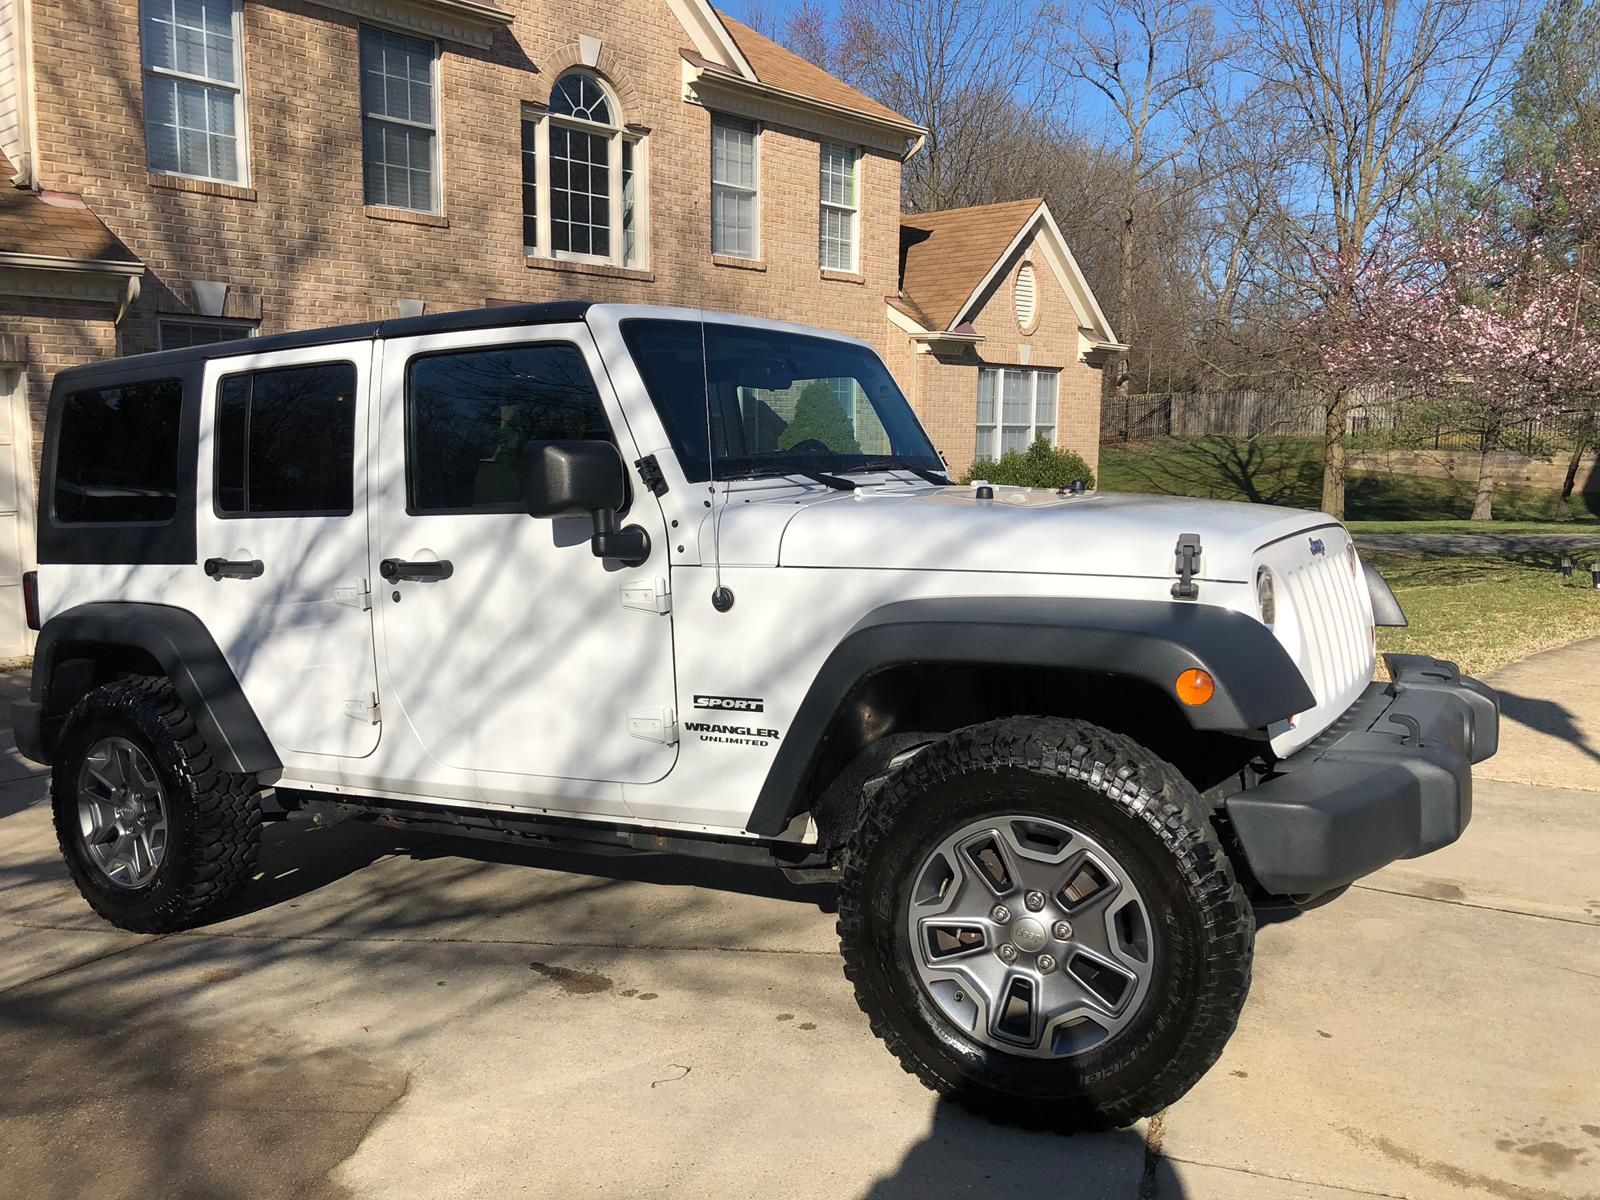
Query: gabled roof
945	255
54	226
949	259
788	72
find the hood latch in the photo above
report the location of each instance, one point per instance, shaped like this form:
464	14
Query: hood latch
1187	567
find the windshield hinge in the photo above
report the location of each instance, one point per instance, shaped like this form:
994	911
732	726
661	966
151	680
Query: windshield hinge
1188	566
650	472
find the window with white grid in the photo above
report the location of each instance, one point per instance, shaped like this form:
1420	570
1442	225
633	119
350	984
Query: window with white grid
1015	406
400	120
840	192
583	177
735	199
193	88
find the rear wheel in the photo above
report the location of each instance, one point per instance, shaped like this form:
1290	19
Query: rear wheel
1041	925
153	833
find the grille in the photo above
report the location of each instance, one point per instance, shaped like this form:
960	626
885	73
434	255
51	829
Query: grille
1336	647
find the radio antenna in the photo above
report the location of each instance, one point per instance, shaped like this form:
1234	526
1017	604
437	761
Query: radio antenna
721	597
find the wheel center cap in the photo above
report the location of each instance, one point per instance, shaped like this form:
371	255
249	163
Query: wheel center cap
1029	936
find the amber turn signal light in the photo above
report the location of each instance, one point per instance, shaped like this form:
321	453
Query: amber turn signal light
1195	687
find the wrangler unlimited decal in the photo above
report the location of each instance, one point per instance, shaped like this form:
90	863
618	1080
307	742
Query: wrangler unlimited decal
738	735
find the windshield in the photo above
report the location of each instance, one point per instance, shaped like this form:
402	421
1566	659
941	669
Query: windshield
780	402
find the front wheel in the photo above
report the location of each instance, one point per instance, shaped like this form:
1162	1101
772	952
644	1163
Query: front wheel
1041	925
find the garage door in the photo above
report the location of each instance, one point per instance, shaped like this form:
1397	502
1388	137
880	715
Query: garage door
16	511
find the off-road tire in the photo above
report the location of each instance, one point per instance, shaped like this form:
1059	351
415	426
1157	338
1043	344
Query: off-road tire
214	816
1144	812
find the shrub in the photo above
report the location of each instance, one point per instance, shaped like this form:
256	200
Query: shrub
1041	465
818	416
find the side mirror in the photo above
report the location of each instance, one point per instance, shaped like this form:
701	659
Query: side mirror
570	478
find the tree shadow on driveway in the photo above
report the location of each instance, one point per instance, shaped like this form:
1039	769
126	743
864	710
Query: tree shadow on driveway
1547	717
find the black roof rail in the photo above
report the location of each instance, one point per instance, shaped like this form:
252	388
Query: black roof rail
551	313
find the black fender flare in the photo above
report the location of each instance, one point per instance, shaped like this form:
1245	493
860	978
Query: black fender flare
1152	641
188	655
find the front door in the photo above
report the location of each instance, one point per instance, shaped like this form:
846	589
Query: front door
281	508
526	654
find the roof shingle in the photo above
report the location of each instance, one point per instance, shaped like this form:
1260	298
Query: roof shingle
945	255
54	226
788	72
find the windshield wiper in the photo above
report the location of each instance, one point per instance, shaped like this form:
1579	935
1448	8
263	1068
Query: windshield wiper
822	477
892	463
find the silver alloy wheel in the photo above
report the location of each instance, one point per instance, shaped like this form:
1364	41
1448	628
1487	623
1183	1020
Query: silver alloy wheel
122	812
1018	985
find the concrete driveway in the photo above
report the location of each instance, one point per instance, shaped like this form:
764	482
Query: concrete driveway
397	1016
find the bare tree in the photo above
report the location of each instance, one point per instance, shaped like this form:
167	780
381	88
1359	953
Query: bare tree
1152	62
959	68
1388	90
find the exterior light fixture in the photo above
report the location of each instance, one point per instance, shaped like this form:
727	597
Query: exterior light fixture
1566	566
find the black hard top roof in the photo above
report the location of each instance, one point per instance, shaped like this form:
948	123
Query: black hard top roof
553	313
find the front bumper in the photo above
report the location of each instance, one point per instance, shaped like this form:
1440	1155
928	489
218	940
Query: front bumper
1390	779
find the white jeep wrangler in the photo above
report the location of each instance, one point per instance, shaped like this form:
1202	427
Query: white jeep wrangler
679	581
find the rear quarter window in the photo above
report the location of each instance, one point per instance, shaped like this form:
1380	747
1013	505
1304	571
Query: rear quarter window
117	454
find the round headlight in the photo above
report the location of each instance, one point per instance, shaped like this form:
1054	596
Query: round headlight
1353	559
1266	600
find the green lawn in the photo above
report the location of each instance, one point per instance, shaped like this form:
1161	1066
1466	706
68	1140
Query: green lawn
1289	471
1485	612
1585	524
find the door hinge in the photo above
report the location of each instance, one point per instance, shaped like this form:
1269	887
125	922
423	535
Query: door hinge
1188	566
647	595
658	725
363	708
359	596
650	471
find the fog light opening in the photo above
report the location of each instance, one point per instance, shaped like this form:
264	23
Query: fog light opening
1195	687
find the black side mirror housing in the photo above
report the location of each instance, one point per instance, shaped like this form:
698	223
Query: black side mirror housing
570	478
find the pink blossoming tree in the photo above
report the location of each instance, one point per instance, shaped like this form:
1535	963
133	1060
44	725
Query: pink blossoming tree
1494	324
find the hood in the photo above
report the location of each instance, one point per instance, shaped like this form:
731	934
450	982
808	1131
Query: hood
892	525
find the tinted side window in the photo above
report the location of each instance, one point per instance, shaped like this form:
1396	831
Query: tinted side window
117	459
469	414
286	441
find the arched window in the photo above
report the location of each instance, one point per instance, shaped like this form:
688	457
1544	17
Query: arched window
581	176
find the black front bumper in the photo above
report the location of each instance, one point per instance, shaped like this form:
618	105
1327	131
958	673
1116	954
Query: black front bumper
1391	778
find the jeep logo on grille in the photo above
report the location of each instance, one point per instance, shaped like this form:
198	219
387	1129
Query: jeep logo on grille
730	703
1317	547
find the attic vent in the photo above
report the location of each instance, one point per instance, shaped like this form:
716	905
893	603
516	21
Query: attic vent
1027	297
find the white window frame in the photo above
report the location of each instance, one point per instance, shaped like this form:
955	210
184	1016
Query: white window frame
990	442
436	171
239	85
244	327
853	210
755	153
618	134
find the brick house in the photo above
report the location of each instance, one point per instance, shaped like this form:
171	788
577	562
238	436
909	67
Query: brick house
196	170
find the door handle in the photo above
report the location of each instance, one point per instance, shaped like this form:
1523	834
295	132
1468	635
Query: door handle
396	569
237	568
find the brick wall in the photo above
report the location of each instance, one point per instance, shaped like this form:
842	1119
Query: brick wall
298	248
947	385
49	336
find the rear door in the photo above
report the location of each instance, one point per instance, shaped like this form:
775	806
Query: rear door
281	528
